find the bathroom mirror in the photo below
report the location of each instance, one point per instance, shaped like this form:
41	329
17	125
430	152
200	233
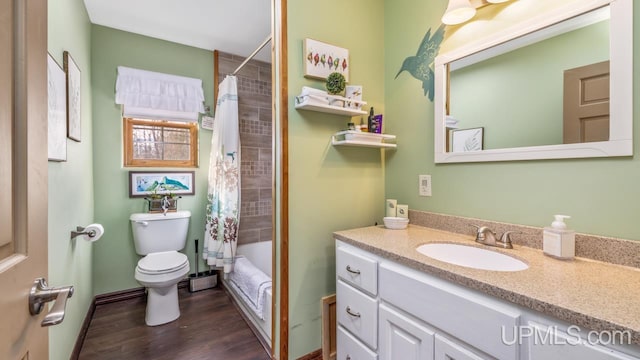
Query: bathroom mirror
558	86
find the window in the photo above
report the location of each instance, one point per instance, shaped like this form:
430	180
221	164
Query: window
160	143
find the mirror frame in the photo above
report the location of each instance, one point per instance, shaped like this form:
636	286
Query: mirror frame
621	88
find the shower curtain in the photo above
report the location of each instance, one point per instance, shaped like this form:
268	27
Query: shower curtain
223	197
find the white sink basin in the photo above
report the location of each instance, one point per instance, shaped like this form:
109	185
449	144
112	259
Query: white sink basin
472	257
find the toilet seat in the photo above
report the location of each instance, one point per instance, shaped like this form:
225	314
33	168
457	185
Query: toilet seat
162	262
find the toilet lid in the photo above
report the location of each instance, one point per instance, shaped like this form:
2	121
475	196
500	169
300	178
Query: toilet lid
162	262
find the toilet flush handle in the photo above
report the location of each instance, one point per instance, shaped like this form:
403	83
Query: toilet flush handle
143	223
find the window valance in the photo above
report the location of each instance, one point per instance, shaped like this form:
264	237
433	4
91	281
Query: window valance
153	95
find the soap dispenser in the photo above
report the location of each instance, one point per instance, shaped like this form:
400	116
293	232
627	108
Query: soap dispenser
557	240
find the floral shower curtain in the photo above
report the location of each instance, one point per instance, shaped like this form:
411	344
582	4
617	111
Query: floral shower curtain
223	205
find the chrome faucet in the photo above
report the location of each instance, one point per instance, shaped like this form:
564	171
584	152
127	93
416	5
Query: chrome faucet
165	205
487	237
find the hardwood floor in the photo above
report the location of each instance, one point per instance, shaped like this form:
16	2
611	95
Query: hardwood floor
209	327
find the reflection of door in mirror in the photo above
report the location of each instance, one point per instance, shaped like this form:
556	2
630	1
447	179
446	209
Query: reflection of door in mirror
586	103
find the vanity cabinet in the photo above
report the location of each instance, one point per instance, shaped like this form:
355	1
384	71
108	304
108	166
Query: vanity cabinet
465	314
389	311
380	313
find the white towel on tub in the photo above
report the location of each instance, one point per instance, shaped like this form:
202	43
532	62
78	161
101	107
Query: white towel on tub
250	283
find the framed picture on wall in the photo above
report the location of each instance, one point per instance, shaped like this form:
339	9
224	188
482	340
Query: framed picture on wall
144	183
56	111
74	116
467	139
322	59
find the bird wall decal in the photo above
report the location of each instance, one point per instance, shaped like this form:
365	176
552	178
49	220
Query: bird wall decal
420	66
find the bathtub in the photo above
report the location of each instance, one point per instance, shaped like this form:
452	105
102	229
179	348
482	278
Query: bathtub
260	256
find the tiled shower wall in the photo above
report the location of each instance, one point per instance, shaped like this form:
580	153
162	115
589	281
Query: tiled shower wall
254	110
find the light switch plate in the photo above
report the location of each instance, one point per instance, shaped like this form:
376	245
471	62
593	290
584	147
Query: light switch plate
424	185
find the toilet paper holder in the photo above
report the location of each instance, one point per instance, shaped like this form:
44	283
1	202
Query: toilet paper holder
80	231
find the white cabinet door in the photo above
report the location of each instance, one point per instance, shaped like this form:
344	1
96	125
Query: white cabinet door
402	337
551	343
449	350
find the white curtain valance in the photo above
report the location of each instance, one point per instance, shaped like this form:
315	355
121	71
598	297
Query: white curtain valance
154	95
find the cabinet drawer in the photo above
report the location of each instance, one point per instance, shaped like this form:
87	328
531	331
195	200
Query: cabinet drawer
349	348
470	317
357	269
357	313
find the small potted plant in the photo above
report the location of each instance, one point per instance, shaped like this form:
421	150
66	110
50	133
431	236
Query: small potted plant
335	85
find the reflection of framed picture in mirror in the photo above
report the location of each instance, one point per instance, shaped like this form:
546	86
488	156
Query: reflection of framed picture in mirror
73	97
467	139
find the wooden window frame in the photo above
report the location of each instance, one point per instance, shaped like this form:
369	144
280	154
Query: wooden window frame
129	161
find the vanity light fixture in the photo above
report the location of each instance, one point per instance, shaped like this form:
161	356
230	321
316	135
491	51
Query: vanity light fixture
460	11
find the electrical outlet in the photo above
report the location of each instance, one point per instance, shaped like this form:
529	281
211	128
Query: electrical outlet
424	185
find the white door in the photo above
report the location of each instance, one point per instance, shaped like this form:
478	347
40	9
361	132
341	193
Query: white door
23	176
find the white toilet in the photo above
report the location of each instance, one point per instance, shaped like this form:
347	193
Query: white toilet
159	237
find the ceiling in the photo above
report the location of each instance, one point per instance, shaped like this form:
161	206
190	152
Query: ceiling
233	26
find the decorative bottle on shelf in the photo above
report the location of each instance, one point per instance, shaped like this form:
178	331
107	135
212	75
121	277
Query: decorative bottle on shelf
370	120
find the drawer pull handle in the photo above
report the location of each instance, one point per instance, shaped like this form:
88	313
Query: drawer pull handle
348	357
352	313
352	271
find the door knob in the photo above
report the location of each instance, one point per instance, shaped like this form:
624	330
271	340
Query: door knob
41	294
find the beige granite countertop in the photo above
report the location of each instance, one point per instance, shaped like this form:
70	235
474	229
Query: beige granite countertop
591	294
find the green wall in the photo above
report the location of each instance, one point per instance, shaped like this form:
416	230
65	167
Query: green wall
601	195
331	188
115	258
71	183
518	96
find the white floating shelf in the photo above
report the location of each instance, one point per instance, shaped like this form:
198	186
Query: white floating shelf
330	109
363	144
312	102
356	138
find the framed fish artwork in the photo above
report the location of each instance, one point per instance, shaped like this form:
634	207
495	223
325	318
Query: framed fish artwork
322	59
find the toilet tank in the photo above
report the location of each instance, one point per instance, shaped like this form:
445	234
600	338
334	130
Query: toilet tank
159	232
